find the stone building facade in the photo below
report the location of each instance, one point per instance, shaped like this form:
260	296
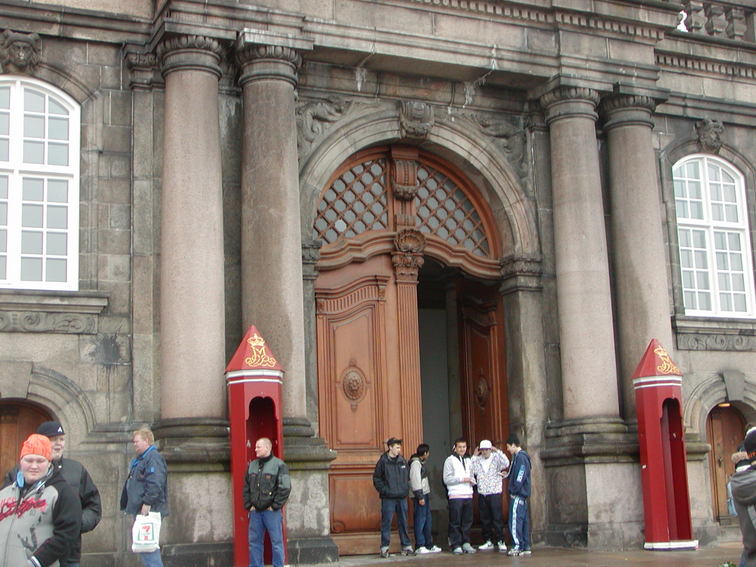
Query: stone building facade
446	217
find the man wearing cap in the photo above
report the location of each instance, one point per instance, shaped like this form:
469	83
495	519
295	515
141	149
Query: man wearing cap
40	514
744	495
488	466
77	476
391	480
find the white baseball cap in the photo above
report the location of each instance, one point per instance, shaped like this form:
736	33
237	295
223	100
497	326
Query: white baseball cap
485	444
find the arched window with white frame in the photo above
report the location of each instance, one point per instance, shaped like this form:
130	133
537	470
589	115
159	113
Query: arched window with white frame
713	237
39	186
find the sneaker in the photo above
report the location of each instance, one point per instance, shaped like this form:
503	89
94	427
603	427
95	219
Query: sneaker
457	551
502	546
385	552
408	551
526	552
422	549
514	552
486	546
434	549
467	548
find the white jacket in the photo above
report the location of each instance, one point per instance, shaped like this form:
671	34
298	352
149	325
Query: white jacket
455	470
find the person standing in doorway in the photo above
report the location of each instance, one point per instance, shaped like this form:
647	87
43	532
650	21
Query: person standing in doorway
421	501
459	482
488	466
391	480
146	488
519	492
266	489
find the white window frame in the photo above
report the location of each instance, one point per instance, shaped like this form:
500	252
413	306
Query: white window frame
704	262
51	234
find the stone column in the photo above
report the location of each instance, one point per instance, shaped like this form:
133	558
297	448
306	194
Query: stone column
272	274
643	308
589	377
192	327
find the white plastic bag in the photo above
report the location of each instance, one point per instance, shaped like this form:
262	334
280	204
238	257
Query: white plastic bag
145	533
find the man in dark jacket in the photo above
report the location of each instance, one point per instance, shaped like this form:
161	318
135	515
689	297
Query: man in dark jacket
391	480
519	492
146	488
266	489
744	494
78	477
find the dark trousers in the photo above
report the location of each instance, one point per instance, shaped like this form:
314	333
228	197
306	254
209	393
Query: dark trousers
519	525
492	522
422	523
460	521
389	507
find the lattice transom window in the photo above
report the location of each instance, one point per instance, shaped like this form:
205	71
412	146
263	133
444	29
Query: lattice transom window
445	211
356	202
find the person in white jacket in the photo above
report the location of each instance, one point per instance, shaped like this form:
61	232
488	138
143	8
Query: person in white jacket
459	483
488	466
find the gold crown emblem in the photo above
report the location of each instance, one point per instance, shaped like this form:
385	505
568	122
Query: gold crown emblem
256	341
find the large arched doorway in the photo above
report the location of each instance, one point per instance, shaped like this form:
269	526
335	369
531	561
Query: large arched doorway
18	420
725	428
410	339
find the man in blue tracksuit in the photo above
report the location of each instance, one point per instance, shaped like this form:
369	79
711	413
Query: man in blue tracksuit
519	492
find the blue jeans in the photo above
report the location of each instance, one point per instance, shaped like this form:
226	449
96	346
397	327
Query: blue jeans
260	522
519	525
423	536
151	559
389	506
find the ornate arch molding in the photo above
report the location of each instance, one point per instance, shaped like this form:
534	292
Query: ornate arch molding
707	394
457	141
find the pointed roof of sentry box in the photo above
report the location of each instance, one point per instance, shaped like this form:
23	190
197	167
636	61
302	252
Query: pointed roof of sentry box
656	362
253	354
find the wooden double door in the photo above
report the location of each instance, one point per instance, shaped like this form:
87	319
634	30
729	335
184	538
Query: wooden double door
726	429
369	379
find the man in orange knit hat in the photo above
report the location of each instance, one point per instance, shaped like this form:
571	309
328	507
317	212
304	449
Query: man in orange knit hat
39	507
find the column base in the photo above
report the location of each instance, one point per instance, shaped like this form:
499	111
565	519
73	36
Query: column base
194	444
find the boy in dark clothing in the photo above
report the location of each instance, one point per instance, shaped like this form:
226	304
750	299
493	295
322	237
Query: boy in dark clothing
519	492
391	480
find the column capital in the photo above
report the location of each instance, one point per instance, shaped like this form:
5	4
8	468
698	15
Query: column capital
627	110
408	257
563	102
190	53
520	273
265	55
142	68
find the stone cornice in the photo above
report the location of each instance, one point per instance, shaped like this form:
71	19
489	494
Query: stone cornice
51	312
684	63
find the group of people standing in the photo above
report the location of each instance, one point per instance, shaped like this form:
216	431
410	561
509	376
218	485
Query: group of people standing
463	474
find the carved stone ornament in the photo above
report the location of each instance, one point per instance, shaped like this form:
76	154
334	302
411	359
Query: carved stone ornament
710	135
20	52
39	322
315	117
482	391
353	384
409	240
509	137
416	119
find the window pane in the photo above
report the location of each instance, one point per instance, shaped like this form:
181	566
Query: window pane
713	172
694	190
692	169
733	240
57	217
702	280
696	210
4	124
4	150
3	270
5	97
700	259
57	128
31	242
56	270
704	302
717	212
3	186
34	101
34	152
33	189
57	191
4	214
57	243
56	108
34	126
3	240
31	269
740	303
738	282
31	216
725	301
57	154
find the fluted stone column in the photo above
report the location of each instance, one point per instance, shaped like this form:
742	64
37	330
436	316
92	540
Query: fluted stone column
272	274
192	327
643	309
586	332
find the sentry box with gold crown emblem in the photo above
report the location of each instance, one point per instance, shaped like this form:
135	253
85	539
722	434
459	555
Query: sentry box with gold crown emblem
254	379
664	474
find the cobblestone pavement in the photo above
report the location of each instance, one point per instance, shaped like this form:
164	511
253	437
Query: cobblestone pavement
711	556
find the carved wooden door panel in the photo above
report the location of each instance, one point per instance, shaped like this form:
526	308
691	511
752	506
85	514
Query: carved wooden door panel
362	396
482	364
725	431
17	422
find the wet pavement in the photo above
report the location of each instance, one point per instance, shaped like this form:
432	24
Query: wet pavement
710	556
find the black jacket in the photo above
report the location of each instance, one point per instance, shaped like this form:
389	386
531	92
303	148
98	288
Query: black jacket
267	484
76	475
744	494
391	477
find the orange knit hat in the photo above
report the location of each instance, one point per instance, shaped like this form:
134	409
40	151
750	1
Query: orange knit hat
37	444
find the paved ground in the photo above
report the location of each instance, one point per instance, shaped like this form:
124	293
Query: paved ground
711	556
